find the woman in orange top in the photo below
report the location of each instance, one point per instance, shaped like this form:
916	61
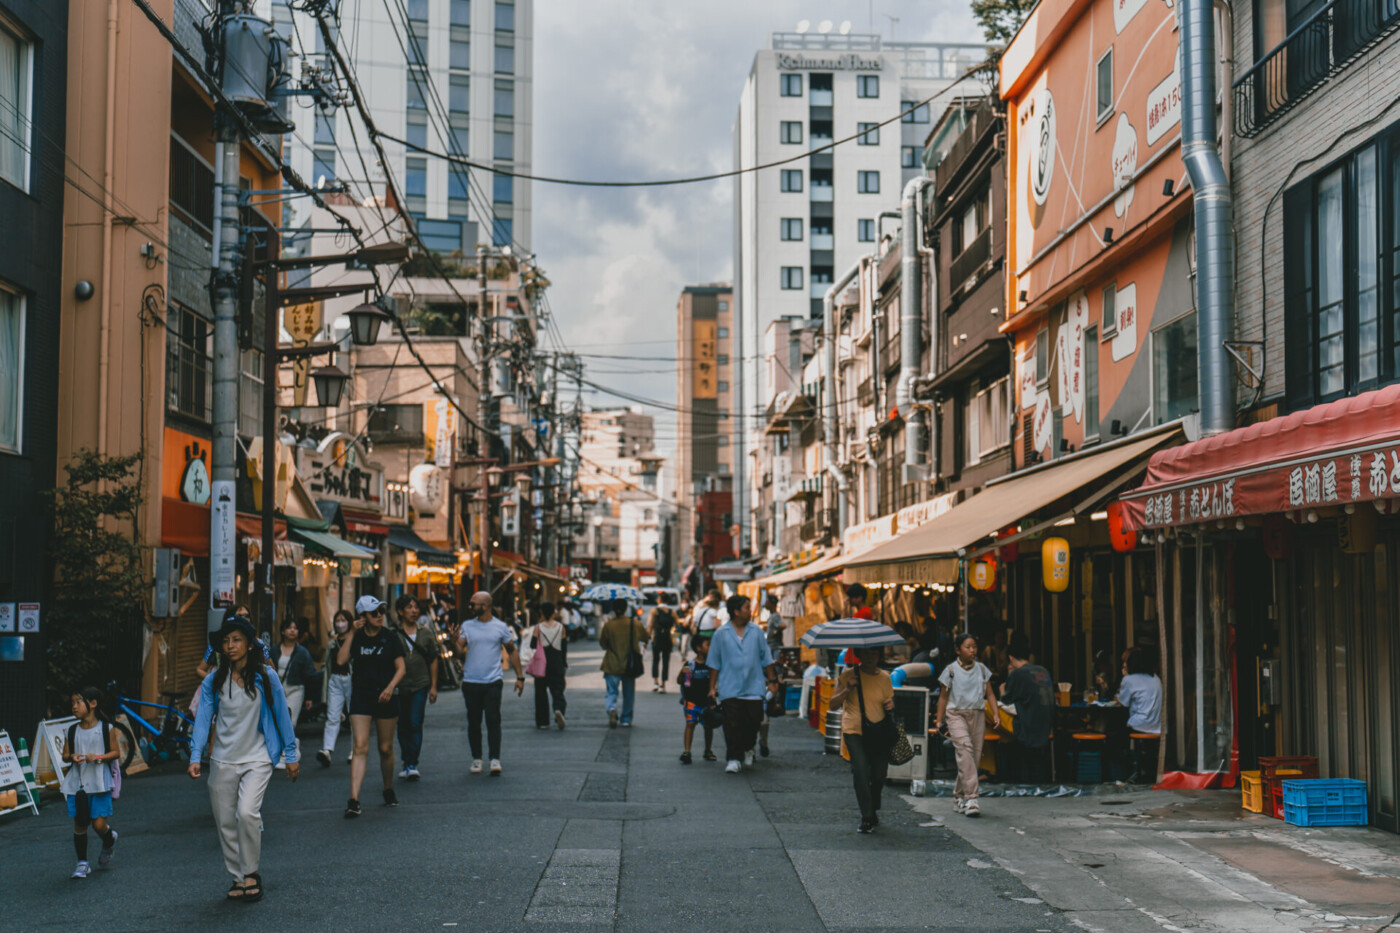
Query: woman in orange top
870	755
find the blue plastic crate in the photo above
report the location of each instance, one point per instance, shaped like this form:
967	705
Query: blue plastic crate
1325	802
1088	768
792	701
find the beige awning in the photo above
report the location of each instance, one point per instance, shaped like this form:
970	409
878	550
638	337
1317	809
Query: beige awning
930	553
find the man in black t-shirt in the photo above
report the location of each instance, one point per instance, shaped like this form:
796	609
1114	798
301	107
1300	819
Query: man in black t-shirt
1030	688
378	666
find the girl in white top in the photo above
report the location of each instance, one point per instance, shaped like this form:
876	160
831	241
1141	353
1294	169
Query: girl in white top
967	688
88	783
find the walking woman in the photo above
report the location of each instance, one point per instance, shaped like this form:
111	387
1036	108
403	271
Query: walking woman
337	695
865	695
967	689
662	625
295	669
552	638
254	732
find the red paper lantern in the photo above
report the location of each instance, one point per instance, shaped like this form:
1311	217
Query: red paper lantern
1123	539
1009	552
1278	537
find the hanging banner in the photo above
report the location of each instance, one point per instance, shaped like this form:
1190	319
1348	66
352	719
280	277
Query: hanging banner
223	569
302	323
440	431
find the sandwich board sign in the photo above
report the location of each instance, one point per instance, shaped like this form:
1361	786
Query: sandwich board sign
12	775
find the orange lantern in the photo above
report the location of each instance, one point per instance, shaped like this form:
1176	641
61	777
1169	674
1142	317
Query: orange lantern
1122	539
1054	564
982	573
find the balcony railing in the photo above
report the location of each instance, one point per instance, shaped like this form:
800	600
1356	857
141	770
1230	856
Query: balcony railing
1318	48
823	193
970	259
823	241
865	393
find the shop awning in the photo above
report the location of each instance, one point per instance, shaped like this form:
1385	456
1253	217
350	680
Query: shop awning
1326	456
930	553
332	545
251	526
405	538
363	523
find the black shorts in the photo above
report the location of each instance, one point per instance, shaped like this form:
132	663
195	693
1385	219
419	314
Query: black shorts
364	701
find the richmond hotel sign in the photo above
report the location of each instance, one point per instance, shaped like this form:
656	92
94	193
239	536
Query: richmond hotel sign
839	63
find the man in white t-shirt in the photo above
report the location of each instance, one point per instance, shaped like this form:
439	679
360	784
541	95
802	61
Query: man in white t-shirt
705	618
483	639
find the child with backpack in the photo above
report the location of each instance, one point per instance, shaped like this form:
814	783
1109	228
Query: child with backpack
92	779
694	680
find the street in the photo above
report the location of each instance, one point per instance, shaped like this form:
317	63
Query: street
587	828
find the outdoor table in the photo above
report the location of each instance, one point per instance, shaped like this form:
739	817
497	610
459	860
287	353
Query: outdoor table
1112	721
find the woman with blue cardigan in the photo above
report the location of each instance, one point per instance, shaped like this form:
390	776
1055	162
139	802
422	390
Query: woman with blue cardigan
254	732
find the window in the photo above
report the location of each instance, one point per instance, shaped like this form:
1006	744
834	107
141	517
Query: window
792	179
1091	382
792	228
396	424
458	184
11	369
991	404
867	85
323	163
14	109
1042	357
792	277
1174	369
791	132
503	146
1104	85
325	129
459	94
505	17
505	99
912	114
417	10
722	440
461	12
868	182
970	224
191	184
723	333
505	59
723	359
865	230
1108	322
790	85
417	81
459	54
250	391
723	305
502	189
723	386
187	362
909	157
501	231
415	177
870	134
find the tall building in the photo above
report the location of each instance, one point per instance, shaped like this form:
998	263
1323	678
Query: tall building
705	399
800	226
453	76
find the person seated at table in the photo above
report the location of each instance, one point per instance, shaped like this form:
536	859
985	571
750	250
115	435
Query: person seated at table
1031	690
1141	693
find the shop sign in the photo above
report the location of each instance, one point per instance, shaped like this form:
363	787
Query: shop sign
1124	11
28	618
1124	342
865	536
1076	321
340	470
911	517
839	63
302	323
1164	106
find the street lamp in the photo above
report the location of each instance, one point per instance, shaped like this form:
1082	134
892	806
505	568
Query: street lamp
330	385
365	321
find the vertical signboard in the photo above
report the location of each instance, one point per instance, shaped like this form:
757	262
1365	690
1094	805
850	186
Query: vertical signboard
705	382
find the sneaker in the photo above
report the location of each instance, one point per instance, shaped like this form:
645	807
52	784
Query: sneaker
875	820
685	758
960	806
559	718
733	767
104	858
542	727
403	773
709	756
748	758
476	766
391	799
352	808
626	725
866	826
413	774
612	719
495	767
82	871
763	749
971	809
324	757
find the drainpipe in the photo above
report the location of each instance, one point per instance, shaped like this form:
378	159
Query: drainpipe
911	333
830	425
1215	274
104	340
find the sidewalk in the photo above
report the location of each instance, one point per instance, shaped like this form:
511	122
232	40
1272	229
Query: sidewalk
1189	860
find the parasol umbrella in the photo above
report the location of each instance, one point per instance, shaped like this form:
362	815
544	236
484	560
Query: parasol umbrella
851	633
602	591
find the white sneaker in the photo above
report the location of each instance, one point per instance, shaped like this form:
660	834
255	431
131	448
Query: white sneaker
403	774
960	806
559	718
82	871
748	759
495	767
971	809
476	766
732	768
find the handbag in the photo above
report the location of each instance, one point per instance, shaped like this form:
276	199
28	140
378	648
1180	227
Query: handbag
539	664
888	731
636	667
712	717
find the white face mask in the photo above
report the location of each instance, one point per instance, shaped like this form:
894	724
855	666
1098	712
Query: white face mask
341	628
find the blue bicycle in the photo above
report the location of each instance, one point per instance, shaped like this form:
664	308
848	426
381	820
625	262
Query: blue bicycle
170	740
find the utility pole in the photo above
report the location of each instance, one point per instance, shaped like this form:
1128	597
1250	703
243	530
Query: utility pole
483	415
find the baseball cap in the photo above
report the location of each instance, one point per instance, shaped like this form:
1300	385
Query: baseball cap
367	604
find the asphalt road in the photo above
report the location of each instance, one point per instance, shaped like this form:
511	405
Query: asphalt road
588	829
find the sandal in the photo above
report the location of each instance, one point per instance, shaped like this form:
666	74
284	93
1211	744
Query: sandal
235	891
252	891
710	756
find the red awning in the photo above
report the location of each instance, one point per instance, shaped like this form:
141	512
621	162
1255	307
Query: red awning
364	523
251	526
1329	455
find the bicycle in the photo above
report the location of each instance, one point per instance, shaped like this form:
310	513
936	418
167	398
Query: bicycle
171	739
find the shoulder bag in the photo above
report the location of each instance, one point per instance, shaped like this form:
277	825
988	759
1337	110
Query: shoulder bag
636	667
888	731
539	664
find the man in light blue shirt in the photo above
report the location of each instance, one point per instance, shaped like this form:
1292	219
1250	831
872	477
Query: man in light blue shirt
483	639
744	665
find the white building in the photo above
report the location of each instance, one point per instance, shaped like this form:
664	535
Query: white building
799	226
469	93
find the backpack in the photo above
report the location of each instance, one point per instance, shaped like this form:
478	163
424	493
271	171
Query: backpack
106	750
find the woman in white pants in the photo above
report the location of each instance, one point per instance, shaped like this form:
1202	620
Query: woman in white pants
255	731
337	696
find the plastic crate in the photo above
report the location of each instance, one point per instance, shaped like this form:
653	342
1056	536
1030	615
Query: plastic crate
1331	802
1088	768
1305	765
1251	791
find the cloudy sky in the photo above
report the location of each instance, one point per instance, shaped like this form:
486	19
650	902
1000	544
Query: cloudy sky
639	89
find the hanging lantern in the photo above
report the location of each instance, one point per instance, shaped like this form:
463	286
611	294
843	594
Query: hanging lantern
1054	564
1009	552
1123	539
1278	537
365	321
982	573
330	385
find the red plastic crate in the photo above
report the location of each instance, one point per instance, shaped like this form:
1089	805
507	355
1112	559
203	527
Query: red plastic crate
1276	801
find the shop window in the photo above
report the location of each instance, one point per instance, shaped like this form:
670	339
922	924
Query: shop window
1174	389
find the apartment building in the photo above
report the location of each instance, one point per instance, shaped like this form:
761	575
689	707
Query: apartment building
705	389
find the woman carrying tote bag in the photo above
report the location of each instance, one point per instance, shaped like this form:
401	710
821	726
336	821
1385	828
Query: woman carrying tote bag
865	695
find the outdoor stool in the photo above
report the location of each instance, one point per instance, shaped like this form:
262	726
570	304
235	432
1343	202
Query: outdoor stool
1144	751
1087	753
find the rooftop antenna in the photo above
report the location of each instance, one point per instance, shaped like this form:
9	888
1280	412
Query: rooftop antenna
802	26
824	26
845	28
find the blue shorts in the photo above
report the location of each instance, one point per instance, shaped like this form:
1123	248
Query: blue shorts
99	805
694	712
